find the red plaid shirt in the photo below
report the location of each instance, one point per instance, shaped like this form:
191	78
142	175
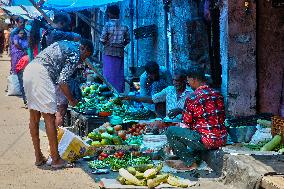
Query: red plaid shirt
205	113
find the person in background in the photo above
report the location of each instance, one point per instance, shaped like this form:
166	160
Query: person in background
34	30
174	95
53	66
115	37
203	125
20	24
1	42
59	32
7	39
153	81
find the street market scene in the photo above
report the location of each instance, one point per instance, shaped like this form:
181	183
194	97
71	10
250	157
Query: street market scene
133	94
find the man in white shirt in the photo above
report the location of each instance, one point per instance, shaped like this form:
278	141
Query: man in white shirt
174	95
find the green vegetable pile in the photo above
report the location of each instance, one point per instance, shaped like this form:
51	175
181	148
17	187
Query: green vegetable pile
115	164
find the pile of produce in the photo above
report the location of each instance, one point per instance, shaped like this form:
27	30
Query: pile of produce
107	135
273	145
137	129
99	97
150	176
117	161
139	114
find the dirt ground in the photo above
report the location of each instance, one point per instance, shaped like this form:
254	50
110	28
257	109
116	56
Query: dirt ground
17	168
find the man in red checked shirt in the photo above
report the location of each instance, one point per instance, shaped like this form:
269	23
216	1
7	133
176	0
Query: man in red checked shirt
203	123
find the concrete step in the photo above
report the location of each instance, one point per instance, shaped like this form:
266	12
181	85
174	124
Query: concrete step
243	170
272	182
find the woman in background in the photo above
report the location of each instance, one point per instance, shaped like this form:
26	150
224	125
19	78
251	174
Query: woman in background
32	51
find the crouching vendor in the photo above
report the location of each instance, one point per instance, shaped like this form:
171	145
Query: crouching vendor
203	123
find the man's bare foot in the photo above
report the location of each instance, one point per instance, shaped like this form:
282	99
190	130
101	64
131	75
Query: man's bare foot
61	164
180	165
41	161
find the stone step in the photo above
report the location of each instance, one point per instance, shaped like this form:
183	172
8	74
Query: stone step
272	182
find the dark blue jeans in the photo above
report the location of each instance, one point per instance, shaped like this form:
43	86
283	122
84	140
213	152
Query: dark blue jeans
20	77
185	143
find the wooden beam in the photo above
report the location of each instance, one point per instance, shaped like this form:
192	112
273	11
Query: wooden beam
36	5
87	21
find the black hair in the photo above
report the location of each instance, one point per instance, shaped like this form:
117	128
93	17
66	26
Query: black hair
88	44
35	37
151	67
196	73
114	10
181	73
61	17
19	18
25	33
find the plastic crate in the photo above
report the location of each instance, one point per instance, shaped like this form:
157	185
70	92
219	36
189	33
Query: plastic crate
248	120
82	125
278	126
241	129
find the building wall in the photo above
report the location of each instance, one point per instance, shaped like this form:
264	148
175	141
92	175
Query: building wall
240	60
184	27
270	43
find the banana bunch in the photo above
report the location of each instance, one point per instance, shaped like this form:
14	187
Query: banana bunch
150	176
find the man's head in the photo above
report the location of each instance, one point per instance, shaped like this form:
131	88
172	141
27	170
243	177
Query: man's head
62	20
152	70
20	22
179	79
86	49
113	12
196	77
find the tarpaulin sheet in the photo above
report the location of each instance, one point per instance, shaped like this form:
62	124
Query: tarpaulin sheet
67	5
17	10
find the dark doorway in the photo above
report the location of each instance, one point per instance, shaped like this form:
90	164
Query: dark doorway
213	29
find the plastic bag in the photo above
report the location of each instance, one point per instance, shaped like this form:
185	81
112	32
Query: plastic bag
70	146
13	85
262	134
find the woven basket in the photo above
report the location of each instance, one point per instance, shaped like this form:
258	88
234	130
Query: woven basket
278	126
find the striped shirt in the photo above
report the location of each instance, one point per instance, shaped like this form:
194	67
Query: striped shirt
115	37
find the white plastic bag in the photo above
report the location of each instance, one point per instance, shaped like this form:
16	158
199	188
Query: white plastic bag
262	134
13	86
70	146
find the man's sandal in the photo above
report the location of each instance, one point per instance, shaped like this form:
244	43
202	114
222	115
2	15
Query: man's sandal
41	162
62	166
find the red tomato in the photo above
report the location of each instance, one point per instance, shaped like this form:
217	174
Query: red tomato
121	153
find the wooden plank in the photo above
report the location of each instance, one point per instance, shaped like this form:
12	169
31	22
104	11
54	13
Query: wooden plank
114	184
272	182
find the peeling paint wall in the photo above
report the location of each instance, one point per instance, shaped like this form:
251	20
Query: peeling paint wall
239	60
184	24
270	57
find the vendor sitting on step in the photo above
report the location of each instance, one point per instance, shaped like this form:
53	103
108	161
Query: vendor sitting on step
174	95
203	123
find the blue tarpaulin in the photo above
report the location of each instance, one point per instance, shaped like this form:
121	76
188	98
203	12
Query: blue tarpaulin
18	11
67	5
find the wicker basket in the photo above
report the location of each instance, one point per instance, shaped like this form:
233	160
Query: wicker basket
278	126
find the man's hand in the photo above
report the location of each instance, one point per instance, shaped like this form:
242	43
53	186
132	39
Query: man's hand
73	102
174	112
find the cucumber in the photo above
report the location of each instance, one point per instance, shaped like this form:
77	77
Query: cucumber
272	144
281	150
